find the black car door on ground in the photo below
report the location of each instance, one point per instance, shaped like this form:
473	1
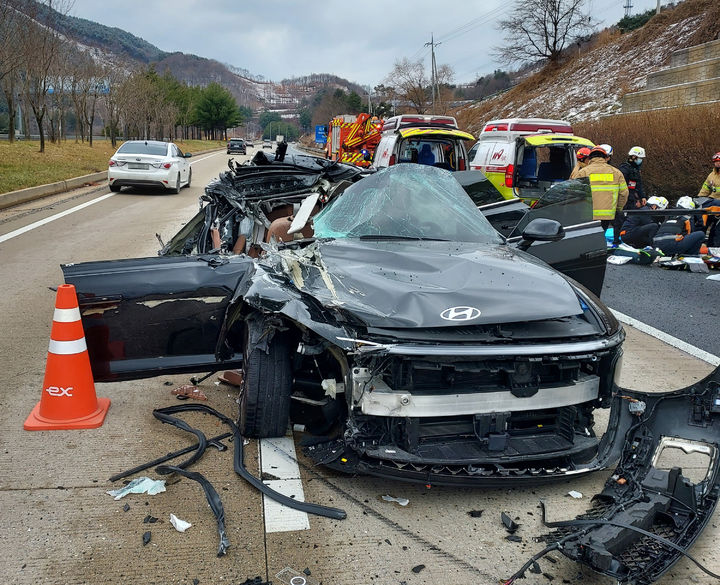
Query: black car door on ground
146	316
581	254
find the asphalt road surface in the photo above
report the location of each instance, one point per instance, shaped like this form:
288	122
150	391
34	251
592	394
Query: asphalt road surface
61	527
683	304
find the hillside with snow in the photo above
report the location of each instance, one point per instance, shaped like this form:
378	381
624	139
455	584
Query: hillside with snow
590	85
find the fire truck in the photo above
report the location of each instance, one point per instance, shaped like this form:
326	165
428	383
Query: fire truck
353	139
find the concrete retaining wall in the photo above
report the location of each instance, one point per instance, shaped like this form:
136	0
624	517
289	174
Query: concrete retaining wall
693	78
702	52
684	94
700	71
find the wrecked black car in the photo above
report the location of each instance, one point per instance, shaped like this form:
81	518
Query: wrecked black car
401	328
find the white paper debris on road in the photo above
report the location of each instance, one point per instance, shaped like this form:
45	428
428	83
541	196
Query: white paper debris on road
139	485
180	525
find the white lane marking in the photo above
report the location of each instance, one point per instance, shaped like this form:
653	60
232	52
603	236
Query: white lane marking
278	459
669	339
37	224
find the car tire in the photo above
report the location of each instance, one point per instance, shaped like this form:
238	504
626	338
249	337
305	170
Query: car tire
115	188
267	385
176	188
189	178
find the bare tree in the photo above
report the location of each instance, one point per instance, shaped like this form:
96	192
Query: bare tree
41	46
541	29
10	53
410	83
112	97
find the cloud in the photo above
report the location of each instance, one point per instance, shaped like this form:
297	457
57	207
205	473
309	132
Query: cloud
289	38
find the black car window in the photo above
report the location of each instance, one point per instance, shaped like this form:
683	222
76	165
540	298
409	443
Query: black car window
154	148
569	202
406	201
477	185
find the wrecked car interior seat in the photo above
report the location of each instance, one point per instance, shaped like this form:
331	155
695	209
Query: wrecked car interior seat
528	167
426	156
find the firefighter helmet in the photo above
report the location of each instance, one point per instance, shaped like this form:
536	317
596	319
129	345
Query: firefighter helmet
660	202
582	153
598	150
686	202
607	148
637	151
716	157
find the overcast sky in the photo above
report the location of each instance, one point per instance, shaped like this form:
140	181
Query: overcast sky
359	41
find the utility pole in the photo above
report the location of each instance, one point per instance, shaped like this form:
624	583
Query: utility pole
628	8
657	11
433	69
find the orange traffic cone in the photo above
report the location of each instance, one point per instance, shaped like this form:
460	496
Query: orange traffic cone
68	398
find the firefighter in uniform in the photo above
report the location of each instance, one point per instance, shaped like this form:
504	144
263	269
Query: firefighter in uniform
639	229
631	171
711	186
683	235
581	156
711	189
609	190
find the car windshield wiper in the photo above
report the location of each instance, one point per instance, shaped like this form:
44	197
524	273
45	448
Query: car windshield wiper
389	237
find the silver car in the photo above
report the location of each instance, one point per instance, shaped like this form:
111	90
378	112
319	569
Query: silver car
149	163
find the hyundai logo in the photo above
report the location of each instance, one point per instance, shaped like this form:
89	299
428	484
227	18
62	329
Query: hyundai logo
460	314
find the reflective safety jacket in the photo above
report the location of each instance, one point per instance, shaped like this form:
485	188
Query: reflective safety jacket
609	190
576	169
711	186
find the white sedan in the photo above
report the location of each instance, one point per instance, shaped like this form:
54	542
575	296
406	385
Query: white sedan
149	163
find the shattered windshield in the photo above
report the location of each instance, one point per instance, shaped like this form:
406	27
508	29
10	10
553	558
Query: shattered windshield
406	201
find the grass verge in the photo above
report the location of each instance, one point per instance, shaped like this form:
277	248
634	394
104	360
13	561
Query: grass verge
23	165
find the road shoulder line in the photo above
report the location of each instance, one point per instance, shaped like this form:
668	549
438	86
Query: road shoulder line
701	354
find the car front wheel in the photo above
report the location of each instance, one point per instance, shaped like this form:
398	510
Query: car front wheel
115	188
267	384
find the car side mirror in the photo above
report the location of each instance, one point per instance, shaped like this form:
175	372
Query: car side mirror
541	230
187	155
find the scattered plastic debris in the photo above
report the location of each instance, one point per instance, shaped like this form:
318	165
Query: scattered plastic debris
417	568
475	513
535	568
231	377
713	277
306	570
400	501
126	507
574	494
618	260
510	525
291	577
189	391
146	537
513	538
178	524
139	485
149	519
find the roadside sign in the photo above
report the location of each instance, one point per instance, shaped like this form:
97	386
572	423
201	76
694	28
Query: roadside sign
321	134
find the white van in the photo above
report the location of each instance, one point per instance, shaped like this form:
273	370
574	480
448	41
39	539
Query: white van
524	157
422	139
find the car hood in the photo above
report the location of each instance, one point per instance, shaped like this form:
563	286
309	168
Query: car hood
419	283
